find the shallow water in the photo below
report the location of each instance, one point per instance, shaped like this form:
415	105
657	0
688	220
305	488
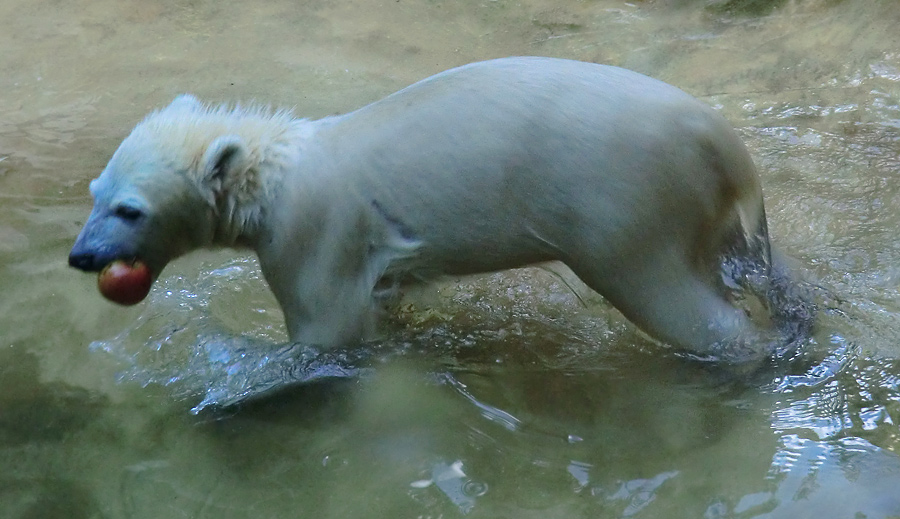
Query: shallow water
512	395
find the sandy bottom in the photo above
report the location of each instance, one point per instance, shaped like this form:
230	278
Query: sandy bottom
515	395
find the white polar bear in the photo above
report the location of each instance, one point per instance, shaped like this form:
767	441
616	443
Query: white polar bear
647	194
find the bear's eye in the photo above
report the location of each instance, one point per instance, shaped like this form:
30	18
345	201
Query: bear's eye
128	213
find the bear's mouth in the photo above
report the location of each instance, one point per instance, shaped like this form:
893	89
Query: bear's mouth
93	259
122	280
87	261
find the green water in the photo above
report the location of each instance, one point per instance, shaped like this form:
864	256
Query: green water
514	395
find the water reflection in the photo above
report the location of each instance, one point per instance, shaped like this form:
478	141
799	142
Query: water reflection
524	395
631	429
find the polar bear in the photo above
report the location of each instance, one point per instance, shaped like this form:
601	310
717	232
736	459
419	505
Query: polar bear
647	194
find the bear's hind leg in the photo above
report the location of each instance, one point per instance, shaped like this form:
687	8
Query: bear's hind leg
676	305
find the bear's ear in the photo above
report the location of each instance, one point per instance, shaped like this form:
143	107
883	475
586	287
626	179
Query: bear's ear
225	159
185	103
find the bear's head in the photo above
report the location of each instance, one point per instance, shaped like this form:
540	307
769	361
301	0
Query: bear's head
166	188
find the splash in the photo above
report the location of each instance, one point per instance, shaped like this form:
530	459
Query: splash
178	342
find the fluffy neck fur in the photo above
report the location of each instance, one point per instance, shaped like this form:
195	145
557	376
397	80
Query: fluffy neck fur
272	138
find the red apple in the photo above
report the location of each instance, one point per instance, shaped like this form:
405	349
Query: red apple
126	282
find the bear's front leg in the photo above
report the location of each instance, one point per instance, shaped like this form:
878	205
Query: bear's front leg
329	312
327	300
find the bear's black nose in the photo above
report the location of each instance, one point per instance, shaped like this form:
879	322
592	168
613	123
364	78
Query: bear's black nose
82	261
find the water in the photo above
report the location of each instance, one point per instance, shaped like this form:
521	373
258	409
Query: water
512	395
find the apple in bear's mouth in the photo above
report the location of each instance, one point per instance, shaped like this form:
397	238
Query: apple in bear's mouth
126	282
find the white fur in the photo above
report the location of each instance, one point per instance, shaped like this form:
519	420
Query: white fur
642	190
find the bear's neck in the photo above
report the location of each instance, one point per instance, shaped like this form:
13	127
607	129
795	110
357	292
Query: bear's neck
237	225
242	211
